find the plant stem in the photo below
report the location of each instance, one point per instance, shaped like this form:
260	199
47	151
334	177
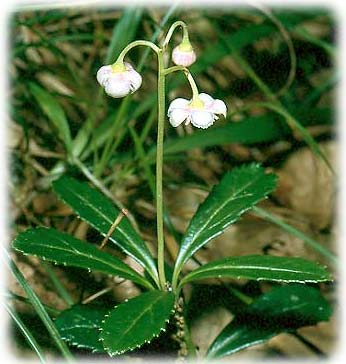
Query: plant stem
159	163
137	43
171	31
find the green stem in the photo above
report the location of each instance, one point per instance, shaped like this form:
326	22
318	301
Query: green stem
159	164
188	340
136	43
189	77
175	69
193	85
171	31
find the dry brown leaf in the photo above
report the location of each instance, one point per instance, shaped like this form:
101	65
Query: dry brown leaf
307	186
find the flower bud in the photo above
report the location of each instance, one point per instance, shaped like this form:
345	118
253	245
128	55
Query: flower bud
183	54
119	80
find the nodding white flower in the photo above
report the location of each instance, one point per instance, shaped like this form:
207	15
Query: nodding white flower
201	111
119	80
184	55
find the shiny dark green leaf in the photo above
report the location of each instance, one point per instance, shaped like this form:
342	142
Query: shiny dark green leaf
97	210
136	321
261	267
62	248
236	193
80	326
283	309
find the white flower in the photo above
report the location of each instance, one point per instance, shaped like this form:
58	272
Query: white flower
119	80
200	112
184	55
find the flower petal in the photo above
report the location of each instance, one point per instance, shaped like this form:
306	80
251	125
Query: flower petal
218	107
134	79
207	99
178	103
117	87
103	73
202	119
128	66
177	116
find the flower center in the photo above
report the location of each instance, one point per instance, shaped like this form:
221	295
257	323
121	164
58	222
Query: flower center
118	67
196	103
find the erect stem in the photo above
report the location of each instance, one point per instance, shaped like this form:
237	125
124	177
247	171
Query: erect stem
159	164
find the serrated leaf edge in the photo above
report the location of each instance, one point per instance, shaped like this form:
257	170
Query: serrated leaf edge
150	269
119	352
136	277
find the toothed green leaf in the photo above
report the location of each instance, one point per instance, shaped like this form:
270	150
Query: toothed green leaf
62	248
98	211
236	193
80	326
283	309
136	321
261	267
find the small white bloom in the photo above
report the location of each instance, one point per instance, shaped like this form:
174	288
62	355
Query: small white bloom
201	112
183	55
119	81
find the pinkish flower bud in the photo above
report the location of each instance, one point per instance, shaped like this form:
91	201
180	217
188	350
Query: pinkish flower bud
184	55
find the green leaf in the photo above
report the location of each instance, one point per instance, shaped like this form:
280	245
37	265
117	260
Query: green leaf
80	326
261	267
136	321
62	248
237	192
97	210
54	112
283	309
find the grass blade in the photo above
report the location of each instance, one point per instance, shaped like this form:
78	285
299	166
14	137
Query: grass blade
57	284
54	112
40	310
26	332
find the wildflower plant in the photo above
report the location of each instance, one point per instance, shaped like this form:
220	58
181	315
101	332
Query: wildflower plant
138	320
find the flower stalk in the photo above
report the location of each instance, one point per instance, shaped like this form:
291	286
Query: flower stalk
159	166
120	79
